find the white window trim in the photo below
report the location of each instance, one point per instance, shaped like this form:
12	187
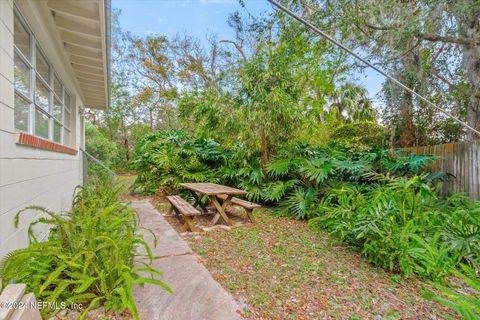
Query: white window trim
31	99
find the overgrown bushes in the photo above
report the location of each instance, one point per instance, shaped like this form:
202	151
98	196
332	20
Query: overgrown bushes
365	134
400	224
381	202
99	146
88	257
166	159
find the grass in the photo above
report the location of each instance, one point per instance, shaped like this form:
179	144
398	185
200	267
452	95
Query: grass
281	269
126	180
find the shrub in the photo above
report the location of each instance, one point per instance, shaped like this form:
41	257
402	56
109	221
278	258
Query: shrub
400	224
88	257
101	148
363	135
168	158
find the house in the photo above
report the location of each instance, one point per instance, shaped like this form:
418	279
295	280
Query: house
54	62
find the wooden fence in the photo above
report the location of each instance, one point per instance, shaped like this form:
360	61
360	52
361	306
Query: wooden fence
460	159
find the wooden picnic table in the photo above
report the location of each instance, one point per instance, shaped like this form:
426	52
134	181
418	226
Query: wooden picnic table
213	191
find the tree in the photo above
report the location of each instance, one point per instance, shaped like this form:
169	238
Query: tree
467	13
431	46
351	104
269	97
100	146
156	69
272	83
116	122
440	51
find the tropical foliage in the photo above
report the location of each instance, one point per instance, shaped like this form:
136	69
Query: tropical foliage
88	257
401	224
384	203
462	295
364	135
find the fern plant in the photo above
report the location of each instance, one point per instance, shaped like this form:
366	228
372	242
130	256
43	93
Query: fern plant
88	257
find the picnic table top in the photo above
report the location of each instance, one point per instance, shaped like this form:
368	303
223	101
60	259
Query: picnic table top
211	188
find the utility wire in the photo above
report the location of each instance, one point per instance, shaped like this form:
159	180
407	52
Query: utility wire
386	75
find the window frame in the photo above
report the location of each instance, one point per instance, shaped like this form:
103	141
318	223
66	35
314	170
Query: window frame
67	108
49	84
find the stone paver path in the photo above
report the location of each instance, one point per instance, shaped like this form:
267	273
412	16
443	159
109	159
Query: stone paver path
196	295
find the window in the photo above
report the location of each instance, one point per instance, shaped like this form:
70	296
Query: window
43	107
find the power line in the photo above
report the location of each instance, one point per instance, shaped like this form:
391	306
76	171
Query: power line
386	75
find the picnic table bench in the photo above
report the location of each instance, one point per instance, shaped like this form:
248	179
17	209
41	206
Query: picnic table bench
247	205
184	209
220	196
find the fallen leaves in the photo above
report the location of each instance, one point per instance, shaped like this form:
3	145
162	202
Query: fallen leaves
283	270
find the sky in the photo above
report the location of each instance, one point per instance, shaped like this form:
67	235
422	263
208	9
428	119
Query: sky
169	17
198	18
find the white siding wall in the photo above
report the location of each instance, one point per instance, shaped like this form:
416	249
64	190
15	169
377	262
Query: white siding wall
30	176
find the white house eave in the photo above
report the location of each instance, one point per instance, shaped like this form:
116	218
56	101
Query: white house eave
83	29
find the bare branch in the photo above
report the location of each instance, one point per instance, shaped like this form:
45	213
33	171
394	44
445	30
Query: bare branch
468	93
237	46
381	28
458	40
432	37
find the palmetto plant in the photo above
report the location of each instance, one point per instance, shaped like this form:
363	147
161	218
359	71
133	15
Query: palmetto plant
410	163
88	257
166	159
382	202
351	103
301	203
461	228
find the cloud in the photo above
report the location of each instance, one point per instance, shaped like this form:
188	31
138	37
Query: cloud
160	20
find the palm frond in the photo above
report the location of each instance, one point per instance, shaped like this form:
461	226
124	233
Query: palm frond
301	203
317	170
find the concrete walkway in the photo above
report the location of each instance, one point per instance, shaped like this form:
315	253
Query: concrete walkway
196	295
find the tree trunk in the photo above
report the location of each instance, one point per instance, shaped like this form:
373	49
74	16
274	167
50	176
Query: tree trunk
408	132
469	26
127	150
150	111
409	74
263	136
473	115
